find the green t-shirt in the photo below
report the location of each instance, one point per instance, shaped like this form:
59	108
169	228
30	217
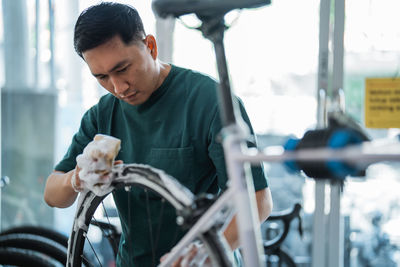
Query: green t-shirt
176	130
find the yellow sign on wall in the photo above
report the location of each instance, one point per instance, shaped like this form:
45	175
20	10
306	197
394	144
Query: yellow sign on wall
382	103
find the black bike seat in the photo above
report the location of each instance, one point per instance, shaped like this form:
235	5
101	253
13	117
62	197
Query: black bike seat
176	8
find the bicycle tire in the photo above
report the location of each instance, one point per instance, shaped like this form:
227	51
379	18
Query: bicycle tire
22	258
47	233
284	259
40	231
156	181
34	243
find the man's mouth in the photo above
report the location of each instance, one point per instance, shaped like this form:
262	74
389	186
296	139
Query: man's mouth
128	96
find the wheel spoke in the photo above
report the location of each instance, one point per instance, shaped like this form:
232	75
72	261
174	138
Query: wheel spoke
150	223
115	244
86	261
94	251
159	225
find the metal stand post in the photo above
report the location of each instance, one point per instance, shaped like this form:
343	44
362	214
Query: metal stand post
319	226
327	246
335	224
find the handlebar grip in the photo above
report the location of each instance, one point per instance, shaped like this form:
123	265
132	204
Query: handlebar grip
286	215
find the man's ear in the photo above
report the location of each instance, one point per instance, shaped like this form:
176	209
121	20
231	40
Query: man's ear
151	44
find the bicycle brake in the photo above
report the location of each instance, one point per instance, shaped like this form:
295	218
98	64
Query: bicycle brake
201	204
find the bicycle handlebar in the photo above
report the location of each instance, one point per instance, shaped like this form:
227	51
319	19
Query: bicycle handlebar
176	8
286	215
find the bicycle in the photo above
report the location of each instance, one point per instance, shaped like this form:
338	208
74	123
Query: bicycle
273	250
203	217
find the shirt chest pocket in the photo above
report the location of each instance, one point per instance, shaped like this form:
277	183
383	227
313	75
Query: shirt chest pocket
177	162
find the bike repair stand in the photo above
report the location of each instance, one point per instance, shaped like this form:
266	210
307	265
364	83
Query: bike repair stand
328	234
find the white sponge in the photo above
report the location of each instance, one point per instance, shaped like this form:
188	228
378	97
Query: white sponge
96	163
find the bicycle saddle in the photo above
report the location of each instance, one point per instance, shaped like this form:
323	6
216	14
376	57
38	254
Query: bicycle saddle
176	8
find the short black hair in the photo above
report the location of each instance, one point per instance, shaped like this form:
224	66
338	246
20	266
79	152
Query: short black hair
100	23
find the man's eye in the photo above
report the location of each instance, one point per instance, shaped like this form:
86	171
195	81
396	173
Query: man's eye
102	77
122	70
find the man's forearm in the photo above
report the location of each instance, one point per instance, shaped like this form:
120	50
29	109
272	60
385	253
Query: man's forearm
58	191
264	207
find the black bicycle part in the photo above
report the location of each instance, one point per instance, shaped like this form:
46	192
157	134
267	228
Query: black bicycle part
22	258
176	8
79	237
201	205
274	253
34	243
212	241
50	234
40	231
110	232
286	216
279	257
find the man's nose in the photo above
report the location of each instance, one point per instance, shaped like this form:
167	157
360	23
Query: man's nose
120	86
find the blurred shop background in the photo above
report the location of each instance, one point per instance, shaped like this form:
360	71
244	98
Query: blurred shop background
273	59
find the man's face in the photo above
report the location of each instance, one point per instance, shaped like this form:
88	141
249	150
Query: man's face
129	72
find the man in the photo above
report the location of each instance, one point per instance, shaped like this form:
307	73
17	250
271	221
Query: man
165	116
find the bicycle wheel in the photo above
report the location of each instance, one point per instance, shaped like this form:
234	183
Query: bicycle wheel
39	231
279	258
22	258
163	185
34	243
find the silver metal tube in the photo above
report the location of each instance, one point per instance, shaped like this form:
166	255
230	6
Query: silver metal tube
247	215
318	252
335	225
367	153
338	53
323	61
318	244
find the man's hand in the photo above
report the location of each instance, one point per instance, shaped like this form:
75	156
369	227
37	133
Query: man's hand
62	187
77	184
